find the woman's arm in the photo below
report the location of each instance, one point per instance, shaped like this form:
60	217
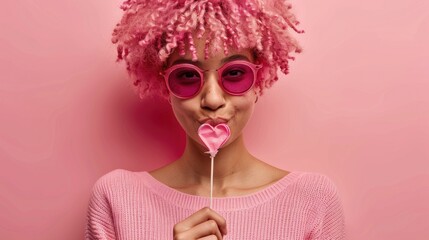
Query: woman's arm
99	217
331	224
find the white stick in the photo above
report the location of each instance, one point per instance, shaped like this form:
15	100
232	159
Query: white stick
211	182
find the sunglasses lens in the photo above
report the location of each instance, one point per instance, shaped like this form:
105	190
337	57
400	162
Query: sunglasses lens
184	82
237	78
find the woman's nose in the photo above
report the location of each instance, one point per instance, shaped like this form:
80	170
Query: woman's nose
212	96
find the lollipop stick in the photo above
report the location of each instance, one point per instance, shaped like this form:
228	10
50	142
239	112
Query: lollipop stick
211	182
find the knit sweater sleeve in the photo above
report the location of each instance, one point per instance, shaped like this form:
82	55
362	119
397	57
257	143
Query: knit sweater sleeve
99	224
331	223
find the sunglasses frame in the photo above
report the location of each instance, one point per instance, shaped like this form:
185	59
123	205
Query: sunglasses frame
168	71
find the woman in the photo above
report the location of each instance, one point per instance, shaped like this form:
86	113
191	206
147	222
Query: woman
211	60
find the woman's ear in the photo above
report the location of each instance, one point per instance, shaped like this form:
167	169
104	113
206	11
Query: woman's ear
256	94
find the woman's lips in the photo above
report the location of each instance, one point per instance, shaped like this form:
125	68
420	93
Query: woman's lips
214	121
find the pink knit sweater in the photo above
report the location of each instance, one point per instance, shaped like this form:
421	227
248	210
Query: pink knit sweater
127	205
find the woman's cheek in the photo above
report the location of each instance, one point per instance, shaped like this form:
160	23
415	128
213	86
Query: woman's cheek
182	118
245	111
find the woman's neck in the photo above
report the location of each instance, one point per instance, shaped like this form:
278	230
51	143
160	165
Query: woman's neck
236	171
231	162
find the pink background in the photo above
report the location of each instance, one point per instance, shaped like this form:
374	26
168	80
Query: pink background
354	107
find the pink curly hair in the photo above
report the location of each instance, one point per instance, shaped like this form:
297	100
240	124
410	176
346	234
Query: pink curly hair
150	30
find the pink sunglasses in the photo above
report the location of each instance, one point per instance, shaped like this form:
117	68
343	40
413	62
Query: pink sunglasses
185	80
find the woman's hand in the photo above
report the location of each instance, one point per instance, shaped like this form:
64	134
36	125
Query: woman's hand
203	224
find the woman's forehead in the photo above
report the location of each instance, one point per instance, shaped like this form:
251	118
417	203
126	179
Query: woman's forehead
213	60
218	58
200	45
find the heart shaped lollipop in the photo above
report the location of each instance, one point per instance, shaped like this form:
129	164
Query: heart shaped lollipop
214	137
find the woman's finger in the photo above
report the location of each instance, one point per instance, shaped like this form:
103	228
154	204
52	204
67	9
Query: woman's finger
205	229
201	216
211	237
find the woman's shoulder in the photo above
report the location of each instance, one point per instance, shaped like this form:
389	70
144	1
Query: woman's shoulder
306	182
115	175
114	179
315	178
316	185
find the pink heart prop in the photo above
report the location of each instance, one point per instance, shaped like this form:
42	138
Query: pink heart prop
214	137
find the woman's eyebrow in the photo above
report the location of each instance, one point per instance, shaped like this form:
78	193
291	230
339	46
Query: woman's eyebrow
182	60
235	57
199	64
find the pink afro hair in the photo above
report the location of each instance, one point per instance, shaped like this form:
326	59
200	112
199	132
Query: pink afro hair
150	30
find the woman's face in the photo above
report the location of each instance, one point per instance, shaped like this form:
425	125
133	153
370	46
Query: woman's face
212	101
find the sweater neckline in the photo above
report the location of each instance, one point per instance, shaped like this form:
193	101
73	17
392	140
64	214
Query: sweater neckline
240	202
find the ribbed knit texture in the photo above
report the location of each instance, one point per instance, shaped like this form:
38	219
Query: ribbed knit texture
127	205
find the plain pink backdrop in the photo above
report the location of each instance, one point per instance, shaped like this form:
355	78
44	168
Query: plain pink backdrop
354	107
